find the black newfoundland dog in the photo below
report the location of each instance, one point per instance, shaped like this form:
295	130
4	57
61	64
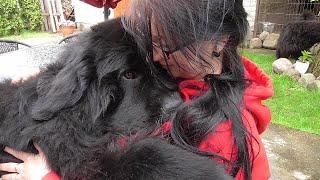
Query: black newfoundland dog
93	112
298	36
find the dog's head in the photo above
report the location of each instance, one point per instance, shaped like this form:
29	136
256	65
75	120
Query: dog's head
104	81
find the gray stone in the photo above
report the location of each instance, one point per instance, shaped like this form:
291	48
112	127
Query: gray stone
281	65
315	86
264	35
255	43
271	41
307	79
315	49
245	43
318	78
293	74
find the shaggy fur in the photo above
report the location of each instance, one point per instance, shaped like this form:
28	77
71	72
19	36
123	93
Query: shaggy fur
308	5
81	108
298	36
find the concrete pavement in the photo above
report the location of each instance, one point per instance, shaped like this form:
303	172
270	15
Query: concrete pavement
292	154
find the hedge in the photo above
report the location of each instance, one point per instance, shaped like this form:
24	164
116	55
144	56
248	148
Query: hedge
18	15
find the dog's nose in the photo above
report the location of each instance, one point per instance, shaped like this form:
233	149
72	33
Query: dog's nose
172	102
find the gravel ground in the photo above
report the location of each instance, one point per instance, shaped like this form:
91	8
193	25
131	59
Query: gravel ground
27	61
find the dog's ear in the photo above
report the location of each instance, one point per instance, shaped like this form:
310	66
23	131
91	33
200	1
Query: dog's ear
68	86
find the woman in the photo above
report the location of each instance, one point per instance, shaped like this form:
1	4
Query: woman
196	42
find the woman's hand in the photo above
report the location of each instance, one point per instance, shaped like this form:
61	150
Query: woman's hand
34	166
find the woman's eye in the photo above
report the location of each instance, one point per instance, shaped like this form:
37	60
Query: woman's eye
129	75
166	49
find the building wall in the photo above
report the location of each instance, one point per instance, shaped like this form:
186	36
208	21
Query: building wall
250	7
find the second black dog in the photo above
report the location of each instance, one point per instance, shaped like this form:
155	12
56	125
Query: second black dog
298	36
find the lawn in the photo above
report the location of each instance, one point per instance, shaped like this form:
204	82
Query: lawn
27	35
293	105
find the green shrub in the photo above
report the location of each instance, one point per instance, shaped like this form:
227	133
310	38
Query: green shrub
10	18
306	57
31	14
17	15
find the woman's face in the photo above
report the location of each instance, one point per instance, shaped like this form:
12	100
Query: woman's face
182	66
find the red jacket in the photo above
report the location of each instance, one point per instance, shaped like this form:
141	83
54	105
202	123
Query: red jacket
255	115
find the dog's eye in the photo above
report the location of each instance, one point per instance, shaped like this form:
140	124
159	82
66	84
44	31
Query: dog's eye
129	75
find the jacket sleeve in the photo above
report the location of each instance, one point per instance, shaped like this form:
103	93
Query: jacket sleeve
51	176
221	142
260	89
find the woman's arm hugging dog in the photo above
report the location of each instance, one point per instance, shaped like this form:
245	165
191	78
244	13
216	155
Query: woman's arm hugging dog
80	107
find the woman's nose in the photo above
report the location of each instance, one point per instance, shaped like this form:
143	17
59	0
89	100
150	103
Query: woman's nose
157	55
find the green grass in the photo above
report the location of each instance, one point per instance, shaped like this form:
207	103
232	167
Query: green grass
27	35
293	105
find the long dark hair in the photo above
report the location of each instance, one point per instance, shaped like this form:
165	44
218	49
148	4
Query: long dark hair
185	23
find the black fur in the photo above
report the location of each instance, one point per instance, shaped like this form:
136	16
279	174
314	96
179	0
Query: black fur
307	5
307	16
298	36
78	108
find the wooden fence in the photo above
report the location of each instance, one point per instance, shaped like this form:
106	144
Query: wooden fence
52	12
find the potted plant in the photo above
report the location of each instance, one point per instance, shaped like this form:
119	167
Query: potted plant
304	61
67	28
